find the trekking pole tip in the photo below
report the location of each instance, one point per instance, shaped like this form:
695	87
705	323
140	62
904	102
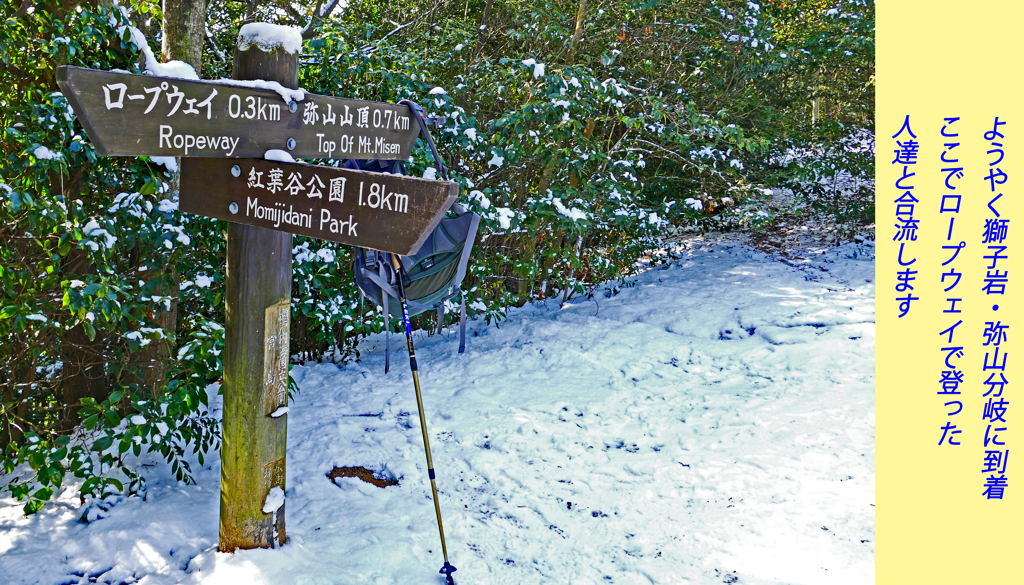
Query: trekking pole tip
447	569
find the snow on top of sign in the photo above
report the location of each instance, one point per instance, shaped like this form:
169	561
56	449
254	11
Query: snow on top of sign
178	69
285	93
278	155
269	37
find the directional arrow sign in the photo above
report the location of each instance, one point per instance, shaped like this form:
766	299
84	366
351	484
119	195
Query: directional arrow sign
136	115
392	213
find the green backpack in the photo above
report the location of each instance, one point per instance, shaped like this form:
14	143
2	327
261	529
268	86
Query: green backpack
433	275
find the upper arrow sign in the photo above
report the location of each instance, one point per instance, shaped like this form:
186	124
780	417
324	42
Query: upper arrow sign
142	115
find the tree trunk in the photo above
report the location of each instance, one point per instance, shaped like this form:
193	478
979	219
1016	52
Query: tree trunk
250	10
17	393
22	372
184	30
816	103
258	311
23	398
83	374
149	364
578	33
482	32
548	175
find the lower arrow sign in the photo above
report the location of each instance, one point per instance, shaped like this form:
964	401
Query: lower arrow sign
391	213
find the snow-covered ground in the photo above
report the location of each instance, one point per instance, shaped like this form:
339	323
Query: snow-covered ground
712	424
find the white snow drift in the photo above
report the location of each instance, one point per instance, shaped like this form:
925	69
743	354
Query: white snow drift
711	424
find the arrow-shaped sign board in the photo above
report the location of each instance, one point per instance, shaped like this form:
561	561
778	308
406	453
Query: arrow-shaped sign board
391	213
143	115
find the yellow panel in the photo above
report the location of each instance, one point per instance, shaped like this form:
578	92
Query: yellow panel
940	59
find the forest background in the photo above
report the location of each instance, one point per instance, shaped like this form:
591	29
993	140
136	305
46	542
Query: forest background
583	131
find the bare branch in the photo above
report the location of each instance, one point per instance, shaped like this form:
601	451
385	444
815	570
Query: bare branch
23	9
213	45
286	5
318	15
370	48
671	154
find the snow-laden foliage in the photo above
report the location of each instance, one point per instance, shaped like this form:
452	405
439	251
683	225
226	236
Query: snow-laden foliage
96	247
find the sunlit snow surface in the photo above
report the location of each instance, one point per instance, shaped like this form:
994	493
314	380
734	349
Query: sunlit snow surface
712	424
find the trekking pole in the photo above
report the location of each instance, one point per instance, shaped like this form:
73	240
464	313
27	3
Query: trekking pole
448	568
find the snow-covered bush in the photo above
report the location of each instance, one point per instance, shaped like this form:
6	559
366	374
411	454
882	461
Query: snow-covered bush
93	251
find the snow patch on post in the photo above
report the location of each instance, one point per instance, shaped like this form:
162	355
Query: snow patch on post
274	501
269	37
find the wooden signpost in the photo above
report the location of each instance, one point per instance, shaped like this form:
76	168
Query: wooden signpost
223	132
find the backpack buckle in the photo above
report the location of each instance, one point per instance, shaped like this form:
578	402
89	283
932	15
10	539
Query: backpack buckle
369	258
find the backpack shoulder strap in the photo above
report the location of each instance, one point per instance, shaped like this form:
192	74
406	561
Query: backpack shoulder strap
467	248
417	113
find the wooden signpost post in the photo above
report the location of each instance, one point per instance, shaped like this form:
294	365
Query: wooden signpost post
223	131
